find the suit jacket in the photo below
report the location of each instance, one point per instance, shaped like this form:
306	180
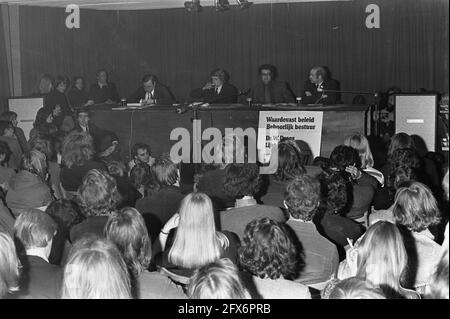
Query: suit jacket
331	98
228	94
100	95
279	93
40	279
162	95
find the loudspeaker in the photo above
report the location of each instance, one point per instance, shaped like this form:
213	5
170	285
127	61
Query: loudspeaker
416	115
26	109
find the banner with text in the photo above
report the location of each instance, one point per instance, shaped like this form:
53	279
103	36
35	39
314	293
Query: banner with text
297	125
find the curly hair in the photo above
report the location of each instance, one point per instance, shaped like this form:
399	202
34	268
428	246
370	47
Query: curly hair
98	194
142	175
44	145
404	164
165	170
242	180
336	192
400	140
415	207
127	230
272	68
34	162
302	197
77	149
65	212
268	250
343	156
289	161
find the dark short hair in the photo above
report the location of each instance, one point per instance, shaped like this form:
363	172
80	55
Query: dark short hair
83	110
223	75
5	125
302	197
98	194
61	79
100	71
4	149
164	170
41	117
336	192
8	116
139	146
242	179
149	77
272	68
65	212
289	161
343	156
268	250
34	228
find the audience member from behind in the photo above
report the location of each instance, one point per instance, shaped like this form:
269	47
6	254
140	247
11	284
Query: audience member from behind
7	135
18	132
35	231
330	219
242	182
127	230
66	214
360	143
217	280
166	201
346	159
142	178
9	267
128	192
352	288
28	188
269	253
5	172
302	199
416	209
380	257
98	198
190	239
95	269
77	160
141	153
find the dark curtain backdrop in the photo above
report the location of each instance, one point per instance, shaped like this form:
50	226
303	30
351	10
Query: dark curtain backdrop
4	78
410	49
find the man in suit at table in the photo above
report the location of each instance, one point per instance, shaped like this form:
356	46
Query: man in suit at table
315	89
152	92
103	91
218	91
270	91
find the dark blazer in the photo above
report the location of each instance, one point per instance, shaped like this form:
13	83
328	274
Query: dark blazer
77	98
100	95
228	94
162	95
40	279
56	97
331	98
279	93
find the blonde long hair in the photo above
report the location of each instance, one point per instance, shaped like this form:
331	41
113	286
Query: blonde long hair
197	242
382	258
360	143
95	270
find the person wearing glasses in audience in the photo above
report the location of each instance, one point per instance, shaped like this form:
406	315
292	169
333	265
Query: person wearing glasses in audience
268	90
152	92
218	90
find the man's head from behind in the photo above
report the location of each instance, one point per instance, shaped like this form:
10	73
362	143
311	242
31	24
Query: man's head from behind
35	230
267	72
302	197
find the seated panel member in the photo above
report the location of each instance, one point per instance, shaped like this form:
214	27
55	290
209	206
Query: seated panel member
152	92
313	89
218	91
77	95
270	91
103	91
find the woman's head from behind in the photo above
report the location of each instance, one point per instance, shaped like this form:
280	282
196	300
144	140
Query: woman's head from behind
415	207
127	230
382	257
289	161
400	140
34	162
354	288
268	250
217	280
404	165
360	143
9	266
95	270
98	194
196	242
343	156
77	149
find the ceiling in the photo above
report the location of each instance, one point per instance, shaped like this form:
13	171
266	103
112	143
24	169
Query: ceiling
135	4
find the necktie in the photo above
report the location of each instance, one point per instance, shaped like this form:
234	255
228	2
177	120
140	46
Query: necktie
267	96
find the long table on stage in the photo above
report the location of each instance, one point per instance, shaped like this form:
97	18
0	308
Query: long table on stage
153	125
